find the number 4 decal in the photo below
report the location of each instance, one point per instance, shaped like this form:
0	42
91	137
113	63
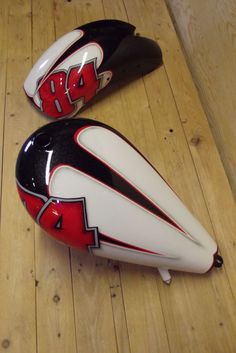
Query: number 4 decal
82	83
66	220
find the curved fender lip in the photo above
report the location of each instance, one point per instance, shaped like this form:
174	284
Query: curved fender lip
109	24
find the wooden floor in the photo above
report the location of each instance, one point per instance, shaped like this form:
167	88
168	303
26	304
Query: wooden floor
53	299
207	31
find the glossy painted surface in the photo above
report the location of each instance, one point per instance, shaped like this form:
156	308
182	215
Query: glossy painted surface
87	186
83	62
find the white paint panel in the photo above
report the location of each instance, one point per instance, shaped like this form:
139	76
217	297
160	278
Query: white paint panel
118	217
49	57
118	154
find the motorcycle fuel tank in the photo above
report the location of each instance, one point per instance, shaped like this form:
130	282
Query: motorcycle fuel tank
80	64
88	187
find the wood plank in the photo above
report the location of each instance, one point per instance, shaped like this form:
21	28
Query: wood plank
210	52
118	308
88	11
17	290
210	171
179	167
55	310
3	72
95	328
182	175
144	312
54	291
173	146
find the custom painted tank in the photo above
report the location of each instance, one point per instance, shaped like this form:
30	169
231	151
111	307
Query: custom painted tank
88	187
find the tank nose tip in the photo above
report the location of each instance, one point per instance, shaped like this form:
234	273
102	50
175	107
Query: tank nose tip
218	261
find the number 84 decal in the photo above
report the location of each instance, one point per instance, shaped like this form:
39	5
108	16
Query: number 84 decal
68	87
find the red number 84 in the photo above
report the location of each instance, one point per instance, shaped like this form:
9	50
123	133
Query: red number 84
61	90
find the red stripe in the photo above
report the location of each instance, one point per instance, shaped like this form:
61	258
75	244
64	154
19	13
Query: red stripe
110	240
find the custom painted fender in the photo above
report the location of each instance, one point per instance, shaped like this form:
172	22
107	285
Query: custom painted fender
86	60
88	187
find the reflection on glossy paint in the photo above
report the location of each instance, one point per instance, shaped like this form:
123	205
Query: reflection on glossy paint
43	64
83	61
47	172
28	145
